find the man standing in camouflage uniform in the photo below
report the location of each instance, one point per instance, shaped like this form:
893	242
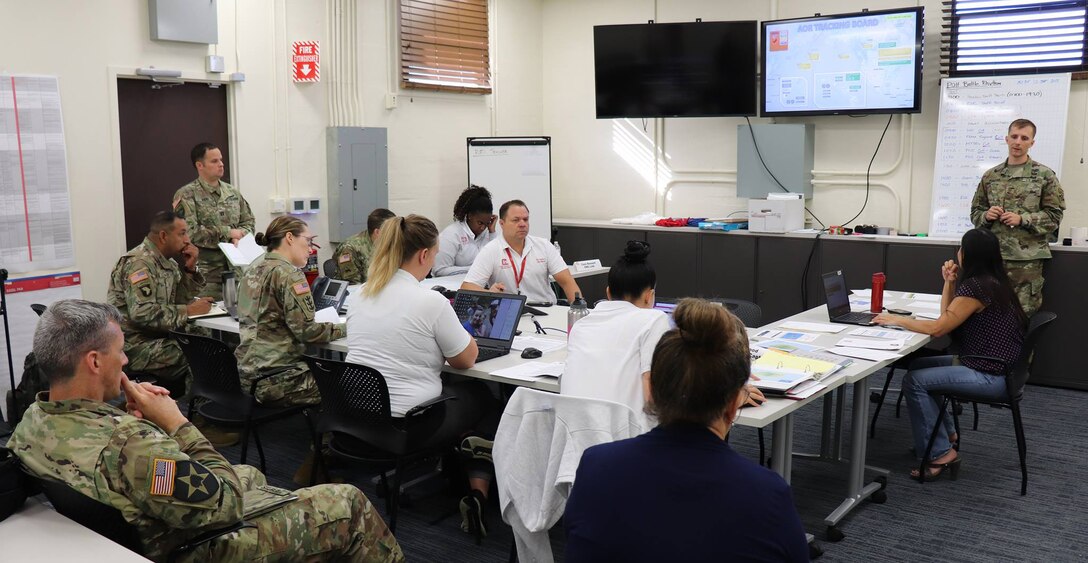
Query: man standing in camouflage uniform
1022	202
353	255
276	318
155	297
155	467
216	212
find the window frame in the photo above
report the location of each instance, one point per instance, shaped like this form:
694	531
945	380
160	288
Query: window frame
445	38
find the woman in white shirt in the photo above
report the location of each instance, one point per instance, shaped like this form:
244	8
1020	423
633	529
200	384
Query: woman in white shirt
609	351
473	228
408	333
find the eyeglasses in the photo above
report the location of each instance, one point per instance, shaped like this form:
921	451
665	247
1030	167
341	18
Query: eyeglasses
310	241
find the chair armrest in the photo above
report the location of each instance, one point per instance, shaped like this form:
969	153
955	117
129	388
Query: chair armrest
207	537
422	407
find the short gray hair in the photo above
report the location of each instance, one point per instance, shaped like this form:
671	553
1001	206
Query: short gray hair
69	329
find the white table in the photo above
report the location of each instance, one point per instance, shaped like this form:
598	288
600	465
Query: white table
39	533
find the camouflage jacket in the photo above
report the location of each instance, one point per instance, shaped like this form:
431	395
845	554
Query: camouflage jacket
151	292
353	257
212	212
276	318
1033	192
170	487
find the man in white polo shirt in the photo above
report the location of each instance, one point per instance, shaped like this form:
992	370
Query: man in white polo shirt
518	262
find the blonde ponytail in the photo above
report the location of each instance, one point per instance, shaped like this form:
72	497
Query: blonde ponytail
398	240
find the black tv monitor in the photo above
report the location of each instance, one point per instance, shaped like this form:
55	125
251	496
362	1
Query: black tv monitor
843	64
700	69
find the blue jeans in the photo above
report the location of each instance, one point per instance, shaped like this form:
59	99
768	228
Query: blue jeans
937	373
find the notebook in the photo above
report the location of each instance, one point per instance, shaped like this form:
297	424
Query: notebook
491	318
838	302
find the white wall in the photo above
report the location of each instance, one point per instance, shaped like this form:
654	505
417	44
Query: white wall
278	127
606	168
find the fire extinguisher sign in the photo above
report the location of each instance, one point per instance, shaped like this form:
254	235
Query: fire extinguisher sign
306	61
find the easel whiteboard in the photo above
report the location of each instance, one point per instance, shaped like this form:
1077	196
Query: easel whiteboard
515	168
975	116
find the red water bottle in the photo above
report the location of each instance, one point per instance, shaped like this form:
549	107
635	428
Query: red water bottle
878	293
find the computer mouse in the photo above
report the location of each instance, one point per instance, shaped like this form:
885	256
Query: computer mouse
531	353
439	289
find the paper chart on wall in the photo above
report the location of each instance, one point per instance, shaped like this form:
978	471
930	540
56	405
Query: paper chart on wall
35	210
974	118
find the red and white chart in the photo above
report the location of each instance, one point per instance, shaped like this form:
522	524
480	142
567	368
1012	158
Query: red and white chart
35	210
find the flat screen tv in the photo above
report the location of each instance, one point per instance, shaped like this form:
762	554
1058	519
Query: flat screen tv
700	69
843	64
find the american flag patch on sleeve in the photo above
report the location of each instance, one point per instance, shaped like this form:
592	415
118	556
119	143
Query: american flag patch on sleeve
138	276
301	288
162	482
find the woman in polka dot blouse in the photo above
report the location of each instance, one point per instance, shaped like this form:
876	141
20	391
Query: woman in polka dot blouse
980	310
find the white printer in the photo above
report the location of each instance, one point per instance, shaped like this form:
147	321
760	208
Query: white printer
779	213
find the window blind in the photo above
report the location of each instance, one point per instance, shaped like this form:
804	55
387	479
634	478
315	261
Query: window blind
444	45
991	37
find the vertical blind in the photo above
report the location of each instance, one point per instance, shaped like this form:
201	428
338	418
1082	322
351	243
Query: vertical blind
444	45
990	37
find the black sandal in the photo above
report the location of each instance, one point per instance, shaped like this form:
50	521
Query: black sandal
953	468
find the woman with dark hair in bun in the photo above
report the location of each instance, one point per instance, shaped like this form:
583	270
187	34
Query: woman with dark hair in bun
679	492
461	241
609	351
276	317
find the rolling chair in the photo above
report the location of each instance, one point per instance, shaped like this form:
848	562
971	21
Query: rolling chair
1016	378
330	269
355	410
107	521
215	377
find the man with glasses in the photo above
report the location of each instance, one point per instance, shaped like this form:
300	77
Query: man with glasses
216	212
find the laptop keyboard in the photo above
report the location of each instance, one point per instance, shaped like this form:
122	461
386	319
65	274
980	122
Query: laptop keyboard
489	354
857	318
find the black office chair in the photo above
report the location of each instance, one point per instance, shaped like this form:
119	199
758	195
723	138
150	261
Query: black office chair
1015	379
330	269
38	308
355	410
107	521
215	378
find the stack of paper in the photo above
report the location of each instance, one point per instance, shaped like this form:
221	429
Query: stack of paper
873	344
778	372
862	353
531	371
545	345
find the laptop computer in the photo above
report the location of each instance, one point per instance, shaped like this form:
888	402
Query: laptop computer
838	302
491	318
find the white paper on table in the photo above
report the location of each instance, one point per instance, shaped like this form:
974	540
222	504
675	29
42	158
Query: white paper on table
870	344
866	293
327	315
786	335
871	355
860	304
889	333
242	255
929	297
217	310
545	345
531	371
805	390
924	305
813	327
931	315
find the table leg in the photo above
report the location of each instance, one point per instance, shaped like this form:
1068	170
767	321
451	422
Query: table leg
857	491
782	447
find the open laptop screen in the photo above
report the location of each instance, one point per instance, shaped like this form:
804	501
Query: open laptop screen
489	316
838	300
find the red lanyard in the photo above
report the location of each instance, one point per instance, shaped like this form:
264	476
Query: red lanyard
517	277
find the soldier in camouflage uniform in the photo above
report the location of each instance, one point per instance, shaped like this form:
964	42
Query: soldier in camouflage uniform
216	212
1022	202
155	467
155	296
353	255
276	318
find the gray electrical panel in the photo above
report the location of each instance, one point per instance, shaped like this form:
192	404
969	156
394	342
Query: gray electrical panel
358	177
786	148
191	21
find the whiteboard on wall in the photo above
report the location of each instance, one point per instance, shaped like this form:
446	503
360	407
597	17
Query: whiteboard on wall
975	116
515	168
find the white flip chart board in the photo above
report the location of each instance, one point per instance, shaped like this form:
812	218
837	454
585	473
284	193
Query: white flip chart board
975	116
515	168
